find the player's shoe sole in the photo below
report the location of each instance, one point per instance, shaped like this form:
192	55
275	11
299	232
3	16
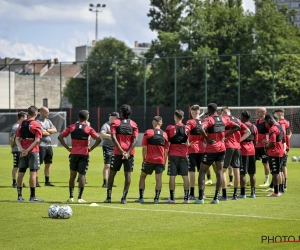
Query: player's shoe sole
70	200
123	201
35	199
209	182
265	184
20	198
214	201
273	195
223	198
197	201
252	196
242	196
141	200
170	201
81	201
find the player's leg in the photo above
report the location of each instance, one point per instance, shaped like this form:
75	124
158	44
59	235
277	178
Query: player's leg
230	175
208	176
128	168
236	164
227	161
48	161
172	172
105	174
83	165
274	162
158	186
243	172
21	173
192	169
183	169
144	172
14	172
115	166
284	170
265	163
34	165
107	155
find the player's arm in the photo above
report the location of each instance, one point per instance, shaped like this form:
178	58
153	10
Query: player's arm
52	130
203	133
105	135
96	143
35	142
62	142
134	142
18	142
144	152
234	128
116	143
166	154
246	132
11	142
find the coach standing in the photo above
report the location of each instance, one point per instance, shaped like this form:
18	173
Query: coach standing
107	146
46	152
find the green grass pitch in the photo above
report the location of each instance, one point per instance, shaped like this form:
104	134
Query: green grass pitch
230	225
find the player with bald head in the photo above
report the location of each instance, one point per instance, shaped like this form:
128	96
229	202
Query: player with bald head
260	153
46	152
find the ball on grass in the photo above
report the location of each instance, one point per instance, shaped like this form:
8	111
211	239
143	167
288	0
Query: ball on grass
53	211
65	212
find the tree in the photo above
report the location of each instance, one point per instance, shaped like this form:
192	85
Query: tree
109	60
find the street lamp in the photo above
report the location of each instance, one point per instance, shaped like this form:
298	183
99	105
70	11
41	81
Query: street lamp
96	8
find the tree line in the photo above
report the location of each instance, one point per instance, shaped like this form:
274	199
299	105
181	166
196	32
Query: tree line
238	57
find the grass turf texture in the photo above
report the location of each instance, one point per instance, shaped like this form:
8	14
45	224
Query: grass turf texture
230	225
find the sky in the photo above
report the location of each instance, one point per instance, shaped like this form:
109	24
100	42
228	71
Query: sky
48	29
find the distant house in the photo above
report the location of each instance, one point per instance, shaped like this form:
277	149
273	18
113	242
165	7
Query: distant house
38	67
66	70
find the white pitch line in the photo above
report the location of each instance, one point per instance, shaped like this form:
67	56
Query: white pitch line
192	212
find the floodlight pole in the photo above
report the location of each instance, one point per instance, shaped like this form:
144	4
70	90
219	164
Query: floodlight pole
94	8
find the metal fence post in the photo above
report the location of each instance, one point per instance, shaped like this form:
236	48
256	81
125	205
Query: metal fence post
116	85
9	88
34	84
273	81
206	81
145	94
175	83
87	86
239	80
60	86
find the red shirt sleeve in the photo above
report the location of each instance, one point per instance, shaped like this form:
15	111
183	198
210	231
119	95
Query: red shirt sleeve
90	131
208	122
135	128
243	127
36	129
113	127
67	131
145	139
272	134
167	140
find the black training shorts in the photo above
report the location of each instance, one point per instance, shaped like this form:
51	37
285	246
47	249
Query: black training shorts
117	161
148	168
79	163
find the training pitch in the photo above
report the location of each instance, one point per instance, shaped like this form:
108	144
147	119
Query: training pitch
241	224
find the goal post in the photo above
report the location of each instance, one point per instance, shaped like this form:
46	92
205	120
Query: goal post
7	120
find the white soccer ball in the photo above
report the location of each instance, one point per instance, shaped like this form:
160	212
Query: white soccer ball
299	158
53	211
65	212
294	158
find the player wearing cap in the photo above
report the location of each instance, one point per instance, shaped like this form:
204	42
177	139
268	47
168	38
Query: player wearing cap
79	153
107	146
155	150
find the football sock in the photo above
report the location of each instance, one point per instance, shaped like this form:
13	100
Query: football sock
71	191
217	194
19	191
208	176
80	191
271	185
47	179
14	181
172	192
141	193
201	192
104	181
109	191
186	194
267	179
230	178
234	192
285	181
281	189
253	190
125	192
192	192
32	191
243	189
157	194
276	189
224	193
